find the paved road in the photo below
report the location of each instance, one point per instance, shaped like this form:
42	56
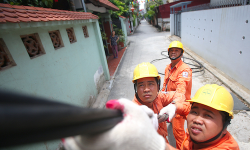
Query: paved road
146	45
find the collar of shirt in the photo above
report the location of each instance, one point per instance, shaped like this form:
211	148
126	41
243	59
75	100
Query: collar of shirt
176	66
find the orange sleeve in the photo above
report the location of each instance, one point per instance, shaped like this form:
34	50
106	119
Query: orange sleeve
170	96
183	108
183	80
166	98
165	79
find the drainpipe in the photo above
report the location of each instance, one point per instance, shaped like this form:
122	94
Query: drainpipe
83	3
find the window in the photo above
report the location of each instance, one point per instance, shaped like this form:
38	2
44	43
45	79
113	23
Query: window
33	45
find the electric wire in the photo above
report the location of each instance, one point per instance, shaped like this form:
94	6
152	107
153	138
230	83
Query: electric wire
195	68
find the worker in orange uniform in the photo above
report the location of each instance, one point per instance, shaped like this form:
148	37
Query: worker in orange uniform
178	77
211	113
147	85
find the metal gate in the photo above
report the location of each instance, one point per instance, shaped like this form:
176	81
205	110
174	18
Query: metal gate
177	24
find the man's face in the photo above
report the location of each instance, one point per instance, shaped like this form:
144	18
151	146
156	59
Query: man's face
174	52
203	122
147	89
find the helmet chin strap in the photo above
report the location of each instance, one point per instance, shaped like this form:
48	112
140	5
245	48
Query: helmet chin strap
210	140
176	57
216	137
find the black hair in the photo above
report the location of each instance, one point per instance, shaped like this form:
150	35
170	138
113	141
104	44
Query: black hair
226	119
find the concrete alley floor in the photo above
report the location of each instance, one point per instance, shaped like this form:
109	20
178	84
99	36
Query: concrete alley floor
146	45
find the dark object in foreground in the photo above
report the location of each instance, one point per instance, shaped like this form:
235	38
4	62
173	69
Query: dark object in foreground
26	119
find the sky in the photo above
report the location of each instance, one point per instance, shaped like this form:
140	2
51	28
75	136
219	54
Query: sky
141	6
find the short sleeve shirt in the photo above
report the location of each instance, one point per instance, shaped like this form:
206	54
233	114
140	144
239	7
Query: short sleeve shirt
113	39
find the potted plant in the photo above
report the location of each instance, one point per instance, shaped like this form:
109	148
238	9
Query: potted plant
121	35
121	42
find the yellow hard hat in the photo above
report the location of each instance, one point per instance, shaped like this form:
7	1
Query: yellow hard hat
215	96
176	44
144	70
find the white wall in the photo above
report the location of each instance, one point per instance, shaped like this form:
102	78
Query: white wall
171	24
217	36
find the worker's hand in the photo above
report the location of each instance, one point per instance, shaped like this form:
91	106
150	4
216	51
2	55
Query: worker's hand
151	115
135	131
162	118
169	110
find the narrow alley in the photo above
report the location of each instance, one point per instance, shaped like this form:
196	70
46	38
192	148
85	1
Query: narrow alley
147	44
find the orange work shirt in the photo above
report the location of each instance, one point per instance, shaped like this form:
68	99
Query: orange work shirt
163	100
225	143
178	79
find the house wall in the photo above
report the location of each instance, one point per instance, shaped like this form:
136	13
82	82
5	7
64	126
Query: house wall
128	28
72	74
217	36
123	24
171	24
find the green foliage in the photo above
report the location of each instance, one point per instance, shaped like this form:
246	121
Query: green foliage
134	16
155	3
150	8
151	13
118	31
136	5
35	3
121	39
123	9
104	36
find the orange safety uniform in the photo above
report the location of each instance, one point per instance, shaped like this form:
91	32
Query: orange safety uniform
178	79
225	143
163	100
